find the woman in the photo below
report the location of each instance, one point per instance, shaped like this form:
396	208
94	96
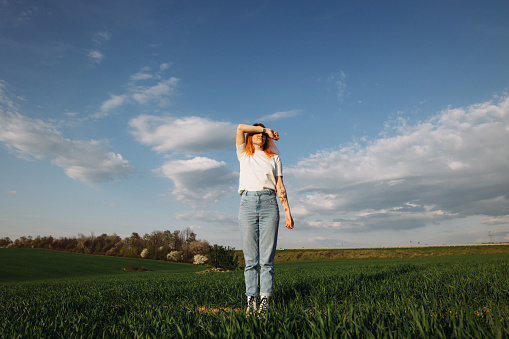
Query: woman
261	178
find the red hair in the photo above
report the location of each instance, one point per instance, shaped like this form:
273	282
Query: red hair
269	147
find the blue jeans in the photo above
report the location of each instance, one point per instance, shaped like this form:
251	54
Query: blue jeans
259	222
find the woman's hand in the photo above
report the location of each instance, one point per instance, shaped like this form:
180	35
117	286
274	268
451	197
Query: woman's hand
289	221
272	134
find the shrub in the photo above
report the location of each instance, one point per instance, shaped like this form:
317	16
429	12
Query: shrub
223	257
144	253
199	247
174	256
200	259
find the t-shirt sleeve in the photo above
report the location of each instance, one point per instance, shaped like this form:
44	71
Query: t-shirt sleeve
241	149
279	166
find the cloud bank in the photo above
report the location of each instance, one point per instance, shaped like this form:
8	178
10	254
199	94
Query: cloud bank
188	134
84	160
453	165
177	137
199	181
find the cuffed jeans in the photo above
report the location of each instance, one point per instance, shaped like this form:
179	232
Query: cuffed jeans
259	222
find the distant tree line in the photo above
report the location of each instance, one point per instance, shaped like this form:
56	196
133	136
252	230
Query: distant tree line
179	246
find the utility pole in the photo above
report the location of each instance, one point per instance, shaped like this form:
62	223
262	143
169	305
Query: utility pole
491	242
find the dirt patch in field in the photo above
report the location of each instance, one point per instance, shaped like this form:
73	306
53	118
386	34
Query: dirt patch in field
136	269
203	309
213	270
198	309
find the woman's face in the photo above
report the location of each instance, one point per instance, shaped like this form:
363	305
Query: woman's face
259	139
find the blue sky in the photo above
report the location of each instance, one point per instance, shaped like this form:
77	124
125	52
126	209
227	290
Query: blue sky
120	117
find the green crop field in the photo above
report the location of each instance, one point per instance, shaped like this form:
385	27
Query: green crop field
22	264
440	297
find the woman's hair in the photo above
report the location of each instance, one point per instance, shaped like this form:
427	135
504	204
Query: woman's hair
268	147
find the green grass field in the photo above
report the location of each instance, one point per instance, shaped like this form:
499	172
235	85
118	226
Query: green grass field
23	264
442	297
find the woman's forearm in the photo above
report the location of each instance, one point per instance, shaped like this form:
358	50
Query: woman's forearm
284	202
249	128
281	193
242	128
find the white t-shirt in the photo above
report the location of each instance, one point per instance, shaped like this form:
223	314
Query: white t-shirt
258	172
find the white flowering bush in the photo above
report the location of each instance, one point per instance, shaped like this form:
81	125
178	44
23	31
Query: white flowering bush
144	253
174	256
200	259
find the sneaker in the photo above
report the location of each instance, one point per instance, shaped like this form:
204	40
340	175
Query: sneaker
251	305
264	307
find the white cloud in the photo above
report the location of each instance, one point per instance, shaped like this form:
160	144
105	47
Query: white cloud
141	75
318	201
159	92
12	192
101	37
111	104
86	161
188	134
199	181
146	74
164	66
279	115
324	224
453	165
5	98
499	220
96	56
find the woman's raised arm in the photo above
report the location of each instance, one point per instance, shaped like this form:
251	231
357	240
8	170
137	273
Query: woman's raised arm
242	129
